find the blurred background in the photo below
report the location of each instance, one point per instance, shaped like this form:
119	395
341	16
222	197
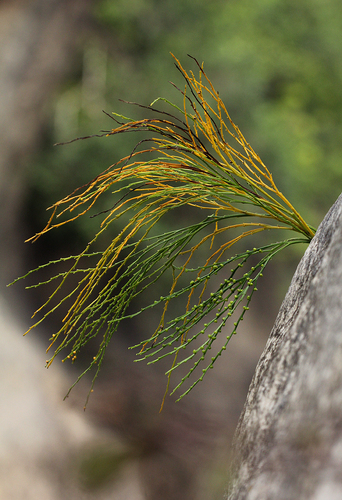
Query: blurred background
277	65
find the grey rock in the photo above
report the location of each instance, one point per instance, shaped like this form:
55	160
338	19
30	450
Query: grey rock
288	443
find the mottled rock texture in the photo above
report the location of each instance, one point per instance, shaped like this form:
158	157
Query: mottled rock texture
288	443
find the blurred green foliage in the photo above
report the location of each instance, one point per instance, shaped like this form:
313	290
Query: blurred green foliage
276	64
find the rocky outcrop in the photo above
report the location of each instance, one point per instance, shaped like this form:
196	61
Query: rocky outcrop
288	443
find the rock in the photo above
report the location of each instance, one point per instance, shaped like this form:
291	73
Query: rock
288	443
45	442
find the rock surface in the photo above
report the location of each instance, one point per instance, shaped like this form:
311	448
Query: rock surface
288	443
44	441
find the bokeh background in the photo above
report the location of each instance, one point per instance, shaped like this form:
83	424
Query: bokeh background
278	67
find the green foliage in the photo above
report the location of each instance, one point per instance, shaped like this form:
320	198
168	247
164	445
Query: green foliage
277	64
195	157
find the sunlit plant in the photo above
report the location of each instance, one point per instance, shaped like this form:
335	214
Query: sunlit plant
194	156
